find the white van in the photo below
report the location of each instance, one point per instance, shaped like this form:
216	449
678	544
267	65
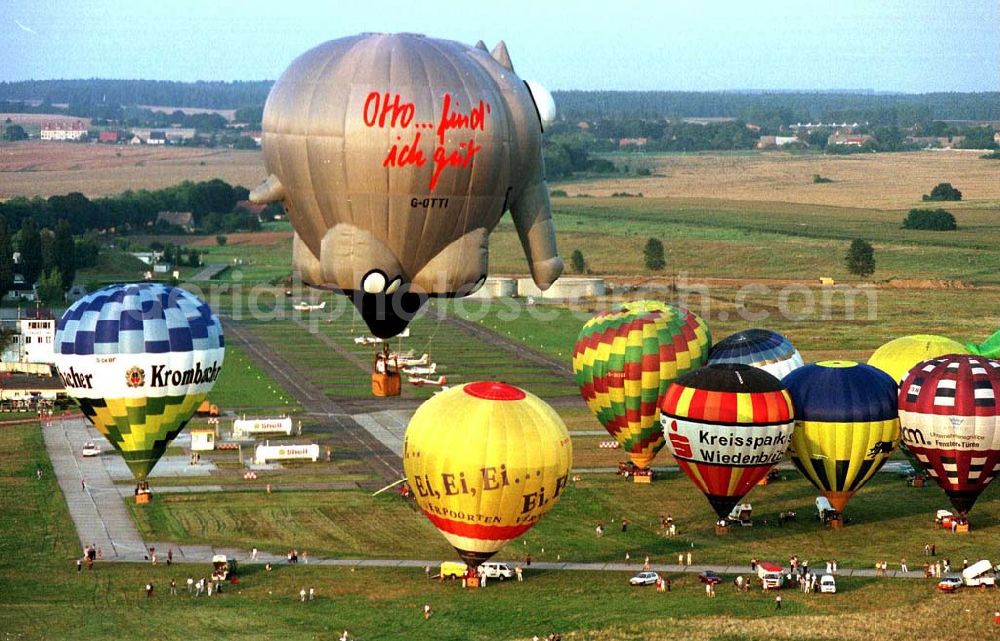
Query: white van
496	570
978	574
742	514
824	510
828	584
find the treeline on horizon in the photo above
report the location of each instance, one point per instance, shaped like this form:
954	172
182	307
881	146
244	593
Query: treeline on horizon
91	97
213	204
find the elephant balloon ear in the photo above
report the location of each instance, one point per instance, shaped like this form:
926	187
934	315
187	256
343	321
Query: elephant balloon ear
501	55
990	348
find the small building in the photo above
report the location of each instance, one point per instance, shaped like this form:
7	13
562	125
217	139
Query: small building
776	141
32	340
256	136
111	137
625	143
21	291
851	140
251	207
172	134
150	257
182	219
25	391
73	130
202	439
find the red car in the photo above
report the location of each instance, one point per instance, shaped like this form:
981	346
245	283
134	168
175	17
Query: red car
709	578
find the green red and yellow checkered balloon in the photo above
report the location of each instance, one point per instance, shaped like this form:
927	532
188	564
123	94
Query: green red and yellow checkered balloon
625	359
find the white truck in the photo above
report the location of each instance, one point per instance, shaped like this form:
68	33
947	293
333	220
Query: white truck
978	574
742	514
771	576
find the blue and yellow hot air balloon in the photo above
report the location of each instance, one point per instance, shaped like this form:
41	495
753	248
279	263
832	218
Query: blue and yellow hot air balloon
139	359
846	425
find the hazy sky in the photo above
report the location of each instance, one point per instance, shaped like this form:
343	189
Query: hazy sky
885	45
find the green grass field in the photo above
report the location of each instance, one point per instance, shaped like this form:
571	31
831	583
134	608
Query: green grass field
888	520
743	239
45	599
242	387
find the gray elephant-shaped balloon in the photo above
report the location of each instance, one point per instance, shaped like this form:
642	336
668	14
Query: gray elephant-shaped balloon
395	156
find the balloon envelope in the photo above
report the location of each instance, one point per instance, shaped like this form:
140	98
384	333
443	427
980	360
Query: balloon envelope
846	425
139	359
896	357
625	358
486	461
770	351
395	156
727	425
951	423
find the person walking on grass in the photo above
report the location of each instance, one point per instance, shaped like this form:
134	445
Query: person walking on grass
777	602
173	587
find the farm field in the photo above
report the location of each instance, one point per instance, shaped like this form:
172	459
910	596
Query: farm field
875	181
37	538
35	168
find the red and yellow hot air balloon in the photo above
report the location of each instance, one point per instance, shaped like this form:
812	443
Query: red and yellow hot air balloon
950	421
625	358
486	461
727	425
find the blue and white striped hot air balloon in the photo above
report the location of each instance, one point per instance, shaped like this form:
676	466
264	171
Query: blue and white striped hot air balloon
139	359
761	348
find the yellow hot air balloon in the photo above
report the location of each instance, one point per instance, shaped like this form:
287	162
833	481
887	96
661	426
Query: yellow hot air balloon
896	357
486	461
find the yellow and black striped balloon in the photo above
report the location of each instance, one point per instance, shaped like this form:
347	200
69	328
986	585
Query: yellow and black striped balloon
846	425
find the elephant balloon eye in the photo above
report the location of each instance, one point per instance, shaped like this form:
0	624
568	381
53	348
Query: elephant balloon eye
373	282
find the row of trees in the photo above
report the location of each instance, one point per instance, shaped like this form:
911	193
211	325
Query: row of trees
98	91
212	202
104	99
43	255
894	110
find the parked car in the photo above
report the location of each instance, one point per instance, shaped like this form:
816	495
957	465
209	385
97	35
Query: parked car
709	578
644	578
90	449
496	570
827	584
949	584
